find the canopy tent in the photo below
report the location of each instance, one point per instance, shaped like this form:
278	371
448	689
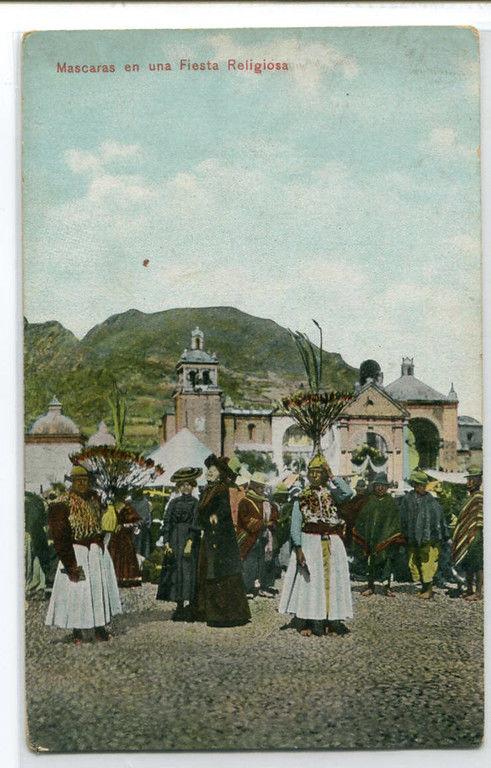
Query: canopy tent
182	450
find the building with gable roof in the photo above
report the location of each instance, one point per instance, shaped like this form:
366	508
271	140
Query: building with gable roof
373	420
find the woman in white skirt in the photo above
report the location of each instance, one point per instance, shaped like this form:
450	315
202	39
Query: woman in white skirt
85	591
317	583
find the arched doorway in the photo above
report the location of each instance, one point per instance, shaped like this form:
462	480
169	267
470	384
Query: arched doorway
423	441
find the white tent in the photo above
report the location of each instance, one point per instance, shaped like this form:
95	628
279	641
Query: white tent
456	478
182	450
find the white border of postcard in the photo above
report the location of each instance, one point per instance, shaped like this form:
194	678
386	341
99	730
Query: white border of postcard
16	18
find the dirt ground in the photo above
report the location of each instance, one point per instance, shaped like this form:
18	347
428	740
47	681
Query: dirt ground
409	675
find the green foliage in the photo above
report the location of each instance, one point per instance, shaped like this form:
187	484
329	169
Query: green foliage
117	403
311	357
256	461
362	451
313	411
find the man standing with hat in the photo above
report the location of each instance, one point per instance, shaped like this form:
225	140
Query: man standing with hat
378	531
256	521
317	584
468	536
180	534
85	592
424	528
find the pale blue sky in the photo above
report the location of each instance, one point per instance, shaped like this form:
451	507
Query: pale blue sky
346	189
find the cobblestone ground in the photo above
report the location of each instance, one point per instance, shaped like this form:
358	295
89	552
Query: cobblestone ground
408	675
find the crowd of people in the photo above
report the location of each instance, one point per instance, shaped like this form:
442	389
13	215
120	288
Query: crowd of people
227	545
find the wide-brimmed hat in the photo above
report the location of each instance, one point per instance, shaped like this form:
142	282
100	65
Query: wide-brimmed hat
221	463
380	479
234	464
260	478
474	471
319	461
280	490
78	471
243	478
186	475
418	477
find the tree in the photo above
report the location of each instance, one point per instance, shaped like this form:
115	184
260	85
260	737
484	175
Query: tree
314	410
257	462
117	403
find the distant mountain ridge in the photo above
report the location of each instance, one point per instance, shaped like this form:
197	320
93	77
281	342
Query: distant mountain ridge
258	359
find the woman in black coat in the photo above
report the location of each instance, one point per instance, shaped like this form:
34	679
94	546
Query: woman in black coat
181	540
221	598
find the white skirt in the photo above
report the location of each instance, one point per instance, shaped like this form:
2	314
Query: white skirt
304	595
89	603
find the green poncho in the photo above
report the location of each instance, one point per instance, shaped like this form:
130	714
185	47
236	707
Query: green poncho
378	525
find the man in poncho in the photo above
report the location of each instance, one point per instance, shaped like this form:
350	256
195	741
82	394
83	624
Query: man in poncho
256	522
317	584
37	554
378	532
468	536
281	498
85	592
424	528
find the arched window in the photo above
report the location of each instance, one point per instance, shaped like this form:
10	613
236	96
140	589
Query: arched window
251	428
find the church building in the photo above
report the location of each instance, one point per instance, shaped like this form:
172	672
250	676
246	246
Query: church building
395	427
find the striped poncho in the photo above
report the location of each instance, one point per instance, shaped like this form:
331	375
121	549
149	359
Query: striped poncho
469	526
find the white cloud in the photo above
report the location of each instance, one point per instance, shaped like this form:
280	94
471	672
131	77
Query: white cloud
443	141
307	62
464	243
471	70
80	161
120	189
110	150
83	162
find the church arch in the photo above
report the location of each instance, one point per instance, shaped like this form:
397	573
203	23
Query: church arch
423	440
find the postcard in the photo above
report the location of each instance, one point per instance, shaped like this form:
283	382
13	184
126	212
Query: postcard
252	356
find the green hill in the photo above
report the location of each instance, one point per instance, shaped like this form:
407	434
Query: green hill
258	364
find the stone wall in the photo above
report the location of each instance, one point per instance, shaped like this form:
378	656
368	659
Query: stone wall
202	414
47	462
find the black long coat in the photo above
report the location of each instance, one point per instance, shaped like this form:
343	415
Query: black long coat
178	578
220	540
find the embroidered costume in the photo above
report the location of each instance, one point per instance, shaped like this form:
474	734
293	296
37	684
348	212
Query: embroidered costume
321	591
74	521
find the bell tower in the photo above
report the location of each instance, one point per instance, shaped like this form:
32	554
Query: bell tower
197	397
